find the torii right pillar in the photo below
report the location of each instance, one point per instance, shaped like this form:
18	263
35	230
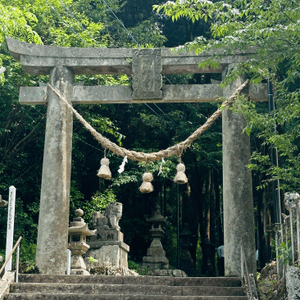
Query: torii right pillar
237	190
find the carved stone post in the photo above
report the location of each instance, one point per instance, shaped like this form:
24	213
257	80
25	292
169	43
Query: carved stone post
52	242
147	80
278	240
237	191
291	201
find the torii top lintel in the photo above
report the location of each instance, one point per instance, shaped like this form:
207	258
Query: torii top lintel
145	65
39	59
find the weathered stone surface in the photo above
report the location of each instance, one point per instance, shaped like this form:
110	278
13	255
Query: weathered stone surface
136	289
251	287
156	255
237	191
144	280
146	79
114	255
208	291
278	241
186	261
126	287
5	282
123	94
78	231
105	235
109	270
54	288
39	60
293	282
51	254
167	272
107	245
292	204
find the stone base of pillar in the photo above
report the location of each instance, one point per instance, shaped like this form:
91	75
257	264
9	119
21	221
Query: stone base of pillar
114	254
155	262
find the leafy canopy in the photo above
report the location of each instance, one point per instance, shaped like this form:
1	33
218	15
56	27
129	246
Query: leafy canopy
271	29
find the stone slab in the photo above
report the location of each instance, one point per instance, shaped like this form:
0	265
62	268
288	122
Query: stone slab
37	278
39	59
107	235
5	282
143	280
293	282
116	297
137	289
146	78
99	244
209	281
53	288
123	94
155	259
213	291
112	255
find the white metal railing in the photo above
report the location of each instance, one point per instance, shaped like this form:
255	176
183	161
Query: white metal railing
68	262
16	246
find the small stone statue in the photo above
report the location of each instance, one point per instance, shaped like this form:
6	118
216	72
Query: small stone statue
107	245
3	203
110	218
291	199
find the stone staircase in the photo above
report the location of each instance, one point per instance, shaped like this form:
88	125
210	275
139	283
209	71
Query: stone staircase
71	287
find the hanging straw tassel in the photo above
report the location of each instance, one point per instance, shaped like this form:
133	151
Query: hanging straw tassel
104	171
180	177
146	186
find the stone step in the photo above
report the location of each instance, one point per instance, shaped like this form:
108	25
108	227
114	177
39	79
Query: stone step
144	280
125	289
115	297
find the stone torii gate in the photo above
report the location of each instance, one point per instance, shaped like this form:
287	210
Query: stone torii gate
146	67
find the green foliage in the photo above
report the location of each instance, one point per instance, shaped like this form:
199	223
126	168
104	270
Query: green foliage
137	268
99	202
16	22
270	26
285	253
92	259
270	29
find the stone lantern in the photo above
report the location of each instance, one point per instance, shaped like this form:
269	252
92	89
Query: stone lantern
78	231
186	261
156	255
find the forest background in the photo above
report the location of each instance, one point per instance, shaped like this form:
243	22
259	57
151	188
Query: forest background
271	26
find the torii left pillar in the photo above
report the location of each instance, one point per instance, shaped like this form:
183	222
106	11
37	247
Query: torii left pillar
51	254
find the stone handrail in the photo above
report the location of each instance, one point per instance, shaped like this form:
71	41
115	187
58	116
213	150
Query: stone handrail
244	268
5	283
288	235
249	279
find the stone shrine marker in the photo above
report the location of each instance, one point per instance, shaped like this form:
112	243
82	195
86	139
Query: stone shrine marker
146	66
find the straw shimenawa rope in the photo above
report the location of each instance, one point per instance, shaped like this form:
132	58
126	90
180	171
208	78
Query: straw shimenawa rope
176	149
